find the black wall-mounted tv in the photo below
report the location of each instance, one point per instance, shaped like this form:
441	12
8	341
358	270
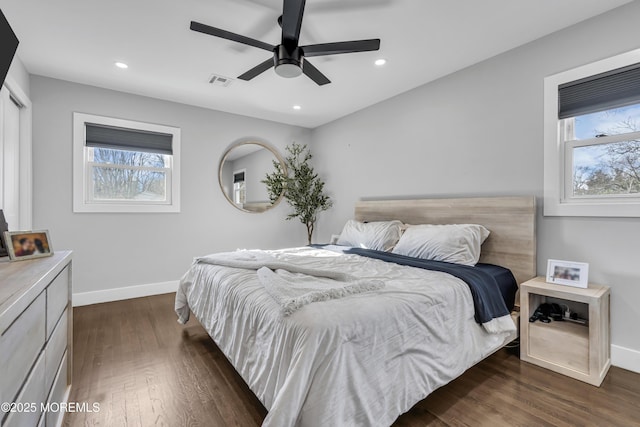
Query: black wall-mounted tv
8	46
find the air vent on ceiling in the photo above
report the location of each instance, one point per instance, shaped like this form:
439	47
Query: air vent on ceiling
217	80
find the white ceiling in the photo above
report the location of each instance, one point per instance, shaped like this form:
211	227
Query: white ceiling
79	40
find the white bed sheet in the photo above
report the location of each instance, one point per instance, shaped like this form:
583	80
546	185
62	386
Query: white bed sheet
361	360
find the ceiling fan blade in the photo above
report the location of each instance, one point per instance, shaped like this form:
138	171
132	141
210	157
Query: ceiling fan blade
259	31
257	70
292	13
217	32
314	74
341	47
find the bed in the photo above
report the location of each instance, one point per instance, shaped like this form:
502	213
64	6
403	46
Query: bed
365	358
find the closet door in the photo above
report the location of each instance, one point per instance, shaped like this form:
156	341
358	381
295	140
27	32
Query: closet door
10	158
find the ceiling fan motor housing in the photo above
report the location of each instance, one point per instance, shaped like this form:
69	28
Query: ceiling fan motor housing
288	61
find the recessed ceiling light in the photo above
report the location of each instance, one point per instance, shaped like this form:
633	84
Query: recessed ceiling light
122	65
297	107
380	62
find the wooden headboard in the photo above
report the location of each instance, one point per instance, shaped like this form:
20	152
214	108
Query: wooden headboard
511	220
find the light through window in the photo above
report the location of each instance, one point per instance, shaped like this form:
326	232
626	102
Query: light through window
128	175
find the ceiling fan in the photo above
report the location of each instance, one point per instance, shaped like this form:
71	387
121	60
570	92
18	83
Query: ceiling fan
289	58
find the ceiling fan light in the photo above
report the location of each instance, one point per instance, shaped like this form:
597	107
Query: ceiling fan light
288	70
288	62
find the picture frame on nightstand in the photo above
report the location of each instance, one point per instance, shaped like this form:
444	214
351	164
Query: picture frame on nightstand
568	273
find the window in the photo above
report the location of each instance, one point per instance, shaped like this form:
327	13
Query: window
603	152
125	166
239	187
592	139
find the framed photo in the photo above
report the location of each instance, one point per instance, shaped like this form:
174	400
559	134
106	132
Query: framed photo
3	227
28	244
568	273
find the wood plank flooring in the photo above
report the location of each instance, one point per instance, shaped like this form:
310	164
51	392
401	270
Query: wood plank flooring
145	369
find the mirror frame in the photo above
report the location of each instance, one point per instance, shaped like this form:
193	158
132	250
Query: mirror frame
240	143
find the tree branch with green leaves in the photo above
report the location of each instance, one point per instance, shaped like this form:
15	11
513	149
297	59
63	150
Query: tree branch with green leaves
300	186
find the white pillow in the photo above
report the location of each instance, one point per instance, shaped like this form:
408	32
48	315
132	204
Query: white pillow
380	236
456	243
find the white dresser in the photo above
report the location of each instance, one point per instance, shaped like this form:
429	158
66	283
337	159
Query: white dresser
36	325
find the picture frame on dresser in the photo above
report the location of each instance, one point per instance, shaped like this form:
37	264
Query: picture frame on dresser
28	244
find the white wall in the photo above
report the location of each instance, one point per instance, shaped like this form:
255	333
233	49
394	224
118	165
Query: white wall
480	132
18	73
121	250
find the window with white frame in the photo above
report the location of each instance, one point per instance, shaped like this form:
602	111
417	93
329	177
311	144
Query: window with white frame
239	187
592	139
125	166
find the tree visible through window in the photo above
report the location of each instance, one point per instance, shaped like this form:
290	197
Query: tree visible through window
128	175
606	152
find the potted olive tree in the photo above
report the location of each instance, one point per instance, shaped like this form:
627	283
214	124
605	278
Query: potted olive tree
300	186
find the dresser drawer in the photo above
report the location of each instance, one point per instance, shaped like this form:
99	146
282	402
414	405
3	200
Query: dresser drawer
55	348
19	347
57	395
32	395
57	299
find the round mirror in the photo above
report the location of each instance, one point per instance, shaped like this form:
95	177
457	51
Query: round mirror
242	169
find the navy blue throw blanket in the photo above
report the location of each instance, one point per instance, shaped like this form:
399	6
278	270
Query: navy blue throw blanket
493	287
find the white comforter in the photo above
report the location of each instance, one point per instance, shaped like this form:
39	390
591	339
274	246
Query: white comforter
361	360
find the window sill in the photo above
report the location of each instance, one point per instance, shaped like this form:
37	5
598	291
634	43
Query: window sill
553	207
125	208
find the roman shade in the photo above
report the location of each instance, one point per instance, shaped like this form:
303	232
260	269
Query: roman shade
238	177
118	138
604	91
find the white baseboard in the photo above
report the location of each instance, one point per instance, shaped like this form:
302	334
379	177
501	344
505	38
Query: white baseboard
625	358
129	292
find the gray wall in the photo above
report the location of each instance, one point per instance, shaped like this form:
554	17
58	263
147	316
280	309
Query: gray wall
480	132
117	250
257	165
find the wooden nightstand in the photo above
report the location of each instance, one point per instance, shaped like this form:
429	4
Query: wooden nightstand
579	351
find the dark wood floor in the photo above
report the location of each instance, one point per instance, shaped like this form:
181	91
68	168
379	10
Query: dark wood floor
146	370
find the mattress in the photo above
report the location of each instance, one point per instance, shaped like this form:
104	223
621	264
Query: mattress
361	360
